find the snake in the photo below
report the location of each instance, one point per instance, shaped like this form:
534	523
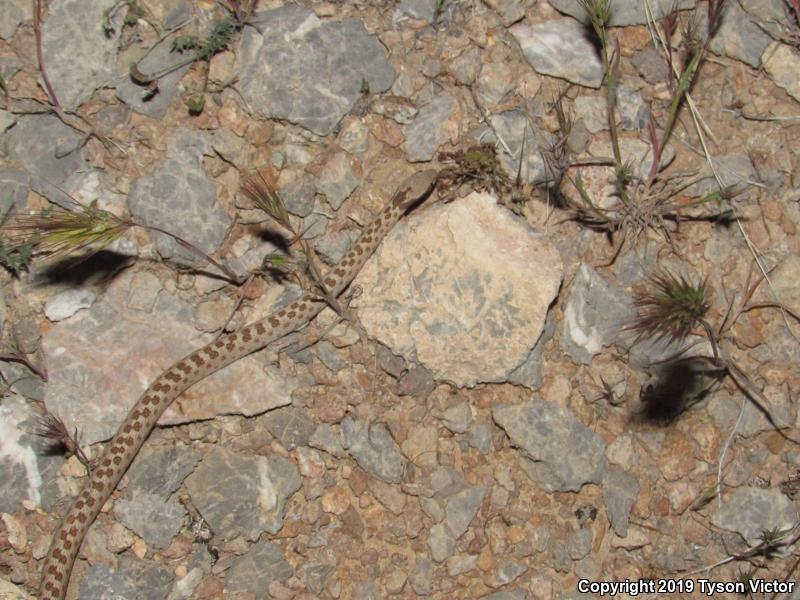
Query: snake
201	363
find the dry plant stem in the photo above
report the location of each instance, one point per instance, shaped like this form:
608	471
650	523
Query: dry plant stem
196	366
233	277
55	104
18	358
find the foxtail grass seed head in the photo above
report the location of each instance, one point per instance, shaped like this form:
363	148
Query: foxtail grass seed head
262	193
671	307
58	232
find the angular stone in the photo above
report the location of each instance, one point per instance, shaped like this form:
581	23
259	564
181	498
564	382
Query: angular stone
242	495
374	449
566	453
595	315
620	490
287	62
12	13
79	55
159	59
751	511
179	197
560	48
433	126
255	570
112	351
48	150
473	316
782	64
150	517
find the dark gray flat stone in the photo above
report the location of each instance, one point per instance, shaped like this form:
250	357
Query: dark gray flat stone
308	71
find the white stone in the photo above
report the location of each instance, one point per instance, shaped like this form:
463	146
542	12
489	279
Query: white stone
462	287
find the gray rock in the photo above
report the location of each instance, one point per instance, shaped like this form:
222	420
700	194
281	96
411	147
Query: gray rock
65	304
579	543
48	150
290	425
328	356
567	454
337	180
396	108
298	196
391	363
480	437
23	381
751	511
290	47
651	65
460	564
10	65
133	578
159	59
354	138
228	145
160	470
733	170
255	570
624	12
740	35
226	486
367	590
458	418
24	463
529	373
441	542
151	518
507	573
313	573
12	13
179	197
559	48
781	64
374	449
620	490
417	9
513	127
432	508
633	266
328	440
518	594
510	11
559	558
466	66
429	129
446	481
495	81
726	410
26	335
595	315
75	29
593	112
14	184
7	119
461	509
421	577
633	112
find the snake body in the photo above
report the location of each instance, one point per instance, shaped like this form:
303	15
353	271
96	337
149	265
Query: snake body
140	421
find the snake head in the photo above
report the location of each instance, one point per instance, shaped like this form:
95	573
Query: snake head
414	188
